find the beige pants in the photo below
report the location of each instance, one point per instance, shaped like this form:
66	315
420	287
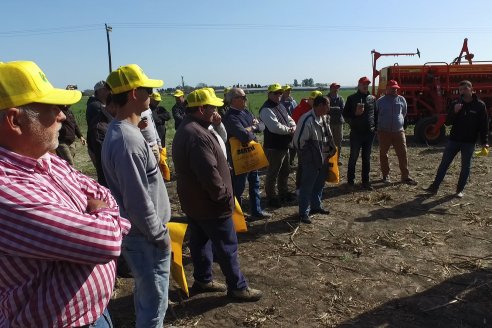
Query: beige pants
399	143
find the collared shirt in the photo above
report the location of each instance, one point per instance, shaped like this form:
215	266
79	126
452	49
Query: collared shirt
312	128
57	262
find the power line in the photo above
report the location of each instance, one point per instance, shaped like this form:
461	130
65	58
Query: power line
261	27
51	30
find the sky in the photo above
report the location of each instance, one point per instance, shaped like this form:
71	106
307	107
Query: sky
231	42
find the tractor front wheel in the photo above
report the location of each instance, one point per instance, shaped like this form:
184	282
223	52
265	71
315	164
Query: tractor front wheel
424	131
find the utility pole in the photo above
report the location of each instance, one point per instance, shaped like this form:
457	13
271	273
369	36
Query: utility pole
109	29
182	82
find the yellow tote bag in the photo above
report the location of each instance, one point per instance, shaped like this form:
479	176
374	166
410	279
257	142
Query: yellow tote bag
177	232
238	218
247	158
166	173
333	170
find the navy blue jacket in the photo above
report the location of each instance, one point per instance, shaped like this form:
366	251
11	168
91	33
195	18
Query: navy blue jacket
236	121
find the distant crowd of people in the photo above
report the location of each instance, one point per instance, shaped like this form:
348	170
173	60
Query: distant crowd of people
61	232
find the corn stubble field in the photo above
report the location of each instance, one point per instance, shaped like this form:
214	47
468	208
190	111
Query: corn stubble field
392	257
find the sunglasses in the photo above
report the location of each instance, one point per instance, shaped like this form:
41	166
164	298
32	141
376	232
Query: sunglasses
241	97
278	93
148	90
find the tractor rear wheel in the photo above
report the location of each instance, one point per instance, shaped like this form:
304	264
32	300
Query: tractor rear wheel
424	131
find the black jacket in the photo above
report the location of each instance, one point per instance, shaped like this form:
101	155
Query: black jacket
94	107
95	138
160	116
470	122
178	111
366	122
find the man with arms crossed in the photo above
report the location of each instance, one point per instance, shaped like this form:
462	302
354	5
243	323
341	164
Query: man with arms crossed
60	231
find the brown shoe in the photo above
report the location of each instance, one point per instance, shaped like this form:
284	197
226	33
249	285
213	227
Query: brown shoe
245	295
208	287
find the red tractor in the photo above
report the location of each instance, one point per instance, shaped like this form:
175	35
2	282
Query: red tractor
429	89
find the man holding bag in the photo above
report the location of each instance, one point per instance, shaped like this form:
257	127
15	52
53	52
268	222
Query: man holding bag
314	142
241	124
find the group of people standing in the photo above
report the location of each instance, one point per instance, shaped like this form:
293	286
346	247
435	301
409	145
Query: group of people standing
61	232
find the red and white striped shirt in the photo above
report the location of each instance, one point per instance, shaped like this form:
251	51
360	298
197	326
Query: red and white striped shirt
57	262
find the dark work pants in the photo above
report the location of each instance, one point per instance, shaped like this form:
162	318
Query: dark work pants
215	237
358	142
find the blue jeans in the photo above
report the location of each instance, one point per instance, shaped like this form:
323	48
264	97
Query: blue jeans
360	141
217	238
450	152
311	189
239	183
104	321
150	267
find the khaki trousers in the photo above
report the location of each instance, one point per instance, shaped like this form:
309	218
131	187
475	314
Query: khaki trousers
399	143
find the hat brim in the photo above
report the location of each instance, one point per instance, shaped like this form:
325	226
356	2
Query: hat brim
150	83
275	90
60	97
215	102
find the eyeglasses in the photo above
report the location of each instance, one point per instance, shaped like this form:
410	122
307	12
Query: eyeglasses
148	90
241	97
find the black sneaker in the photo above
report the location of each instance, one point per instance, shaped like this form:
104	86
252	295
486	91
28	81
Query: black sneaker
288	198
305	219
260	216
319	211
432	189
367	186
274	202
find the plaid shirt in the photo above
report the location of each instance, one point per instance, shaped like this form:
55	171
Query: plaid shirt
57	262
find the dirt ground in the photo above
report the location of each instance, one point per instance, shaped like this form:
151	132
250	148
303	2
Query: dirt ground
392	257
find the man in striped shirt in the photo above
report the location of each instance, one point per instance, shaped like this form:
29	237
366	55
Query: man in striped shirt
60	231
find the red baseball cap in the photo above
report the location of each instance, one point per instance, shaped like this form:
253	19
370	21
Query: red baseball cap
393	84
334	85
364	80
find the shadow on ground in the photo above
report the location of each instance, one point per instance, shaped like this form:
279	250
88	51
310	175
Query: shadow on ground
413	208
463	301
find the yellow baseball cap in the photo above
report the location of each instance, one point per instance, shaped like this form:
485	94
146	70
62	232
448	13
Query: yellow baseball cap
315	94
129	77
23	82
204	96
178	93
286	87
156	96
274	87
